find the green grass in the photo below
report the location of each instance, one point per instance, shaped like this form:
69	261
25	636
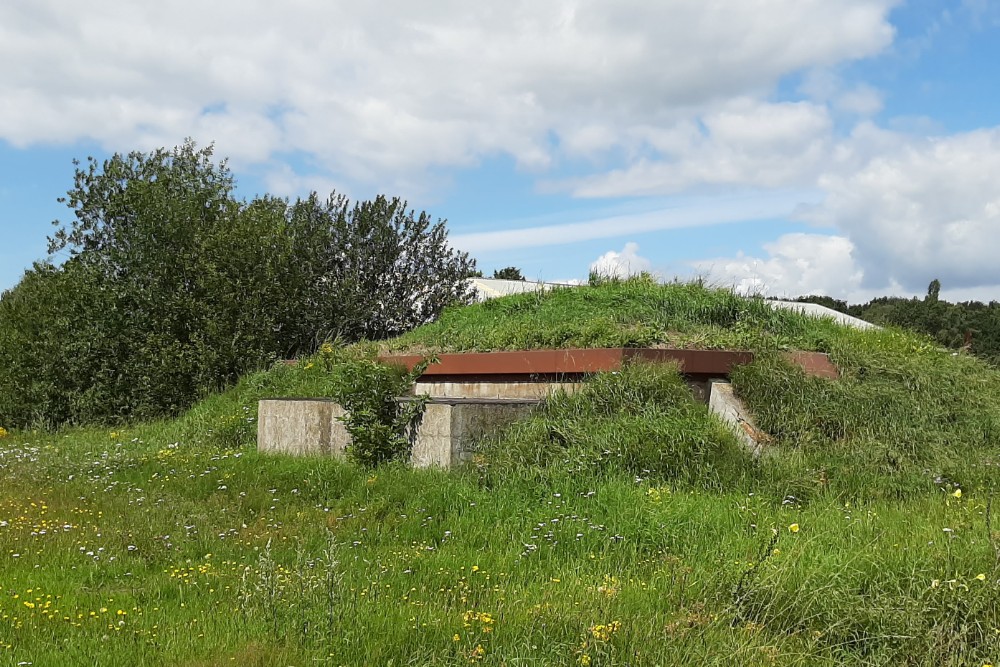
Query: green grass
631	313
620	526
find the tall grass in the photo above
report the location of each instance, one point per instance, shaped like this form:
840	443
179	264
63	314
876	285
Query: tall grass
620	526
629	313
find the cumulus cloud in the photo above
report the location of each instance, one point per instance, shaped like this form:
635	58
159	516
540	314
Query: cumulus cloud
919	208
793	265
615	264
380	92
746	143
801	264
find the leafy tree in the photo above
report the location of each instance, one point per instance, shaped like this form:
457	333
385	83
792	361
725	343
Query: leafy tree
950	324
509	273
388	269
174	287
934	291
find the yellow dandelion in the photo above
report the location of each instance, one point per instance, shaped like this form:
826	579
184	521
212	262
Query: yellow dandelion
794	528
957	493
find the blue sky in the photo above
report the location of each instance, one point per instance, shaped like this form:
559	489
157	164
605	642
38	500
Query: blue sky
786	146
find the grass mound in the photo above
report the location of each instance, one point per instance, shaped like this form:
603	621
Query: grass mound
638	312
906	416
622	525
642	421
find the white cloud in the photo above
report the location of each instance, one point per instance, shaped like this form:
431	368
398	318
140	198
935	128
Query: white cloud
379	92
689	213
794	264
628	262
827	87
862	100
744	143
917	209
801	264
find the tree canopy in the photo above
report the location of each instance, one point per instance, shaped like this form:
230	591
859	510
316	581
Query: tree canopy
174	287
969	325
508	273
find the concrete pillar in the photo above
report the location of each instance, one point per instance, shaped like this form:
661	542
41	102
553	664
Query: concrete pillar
301	427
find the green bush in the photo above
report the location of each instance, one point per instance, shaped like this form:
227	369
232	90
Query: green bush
174	288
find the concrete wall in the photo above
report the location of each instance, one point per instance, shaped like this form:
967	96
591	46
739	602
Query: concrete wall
728	406
525	390
494	390
301	427
445	436
450	428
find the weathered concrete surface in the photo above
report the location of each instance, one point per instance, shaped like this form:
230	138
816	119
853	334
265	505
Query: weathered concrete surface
536	391
494	390
444	437
301	427
723	402
447	434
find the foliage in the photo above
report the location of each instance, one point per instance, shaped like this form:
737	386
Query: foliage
380	425
174	288
145	548
508	273
969	325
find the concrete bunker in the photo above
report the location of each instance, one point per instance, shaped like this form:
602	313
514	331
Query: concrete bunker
473	393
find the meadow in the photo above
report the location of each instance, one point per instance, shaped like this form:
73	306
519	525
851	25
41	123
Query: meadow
620	526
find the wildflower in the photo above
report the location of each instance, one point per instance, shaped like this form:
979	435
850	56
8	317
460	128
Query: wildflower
584	660
957	493
456	638
477	653
981	577
794	528
602	632
3	432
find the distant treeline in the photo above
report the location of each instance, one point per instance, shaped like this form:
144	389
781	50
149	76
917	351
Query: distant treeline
170	287
969	324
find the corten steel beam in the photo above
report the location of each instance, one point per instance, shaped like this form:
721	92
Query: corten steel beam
549	365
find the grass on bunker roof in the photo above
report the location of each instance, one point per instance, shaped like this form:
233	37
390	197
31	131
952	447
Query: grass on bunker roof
621	526
637	312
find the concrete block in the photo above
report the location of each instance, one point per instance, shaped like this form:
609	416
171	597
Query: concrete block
431	444
301	427
723	402
450	428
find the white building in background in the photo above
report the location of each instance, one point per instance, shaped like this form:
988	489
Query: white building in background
492	288
816	310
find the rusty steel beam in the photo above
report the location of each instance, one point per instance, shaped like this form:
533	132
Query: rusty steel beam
571	363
